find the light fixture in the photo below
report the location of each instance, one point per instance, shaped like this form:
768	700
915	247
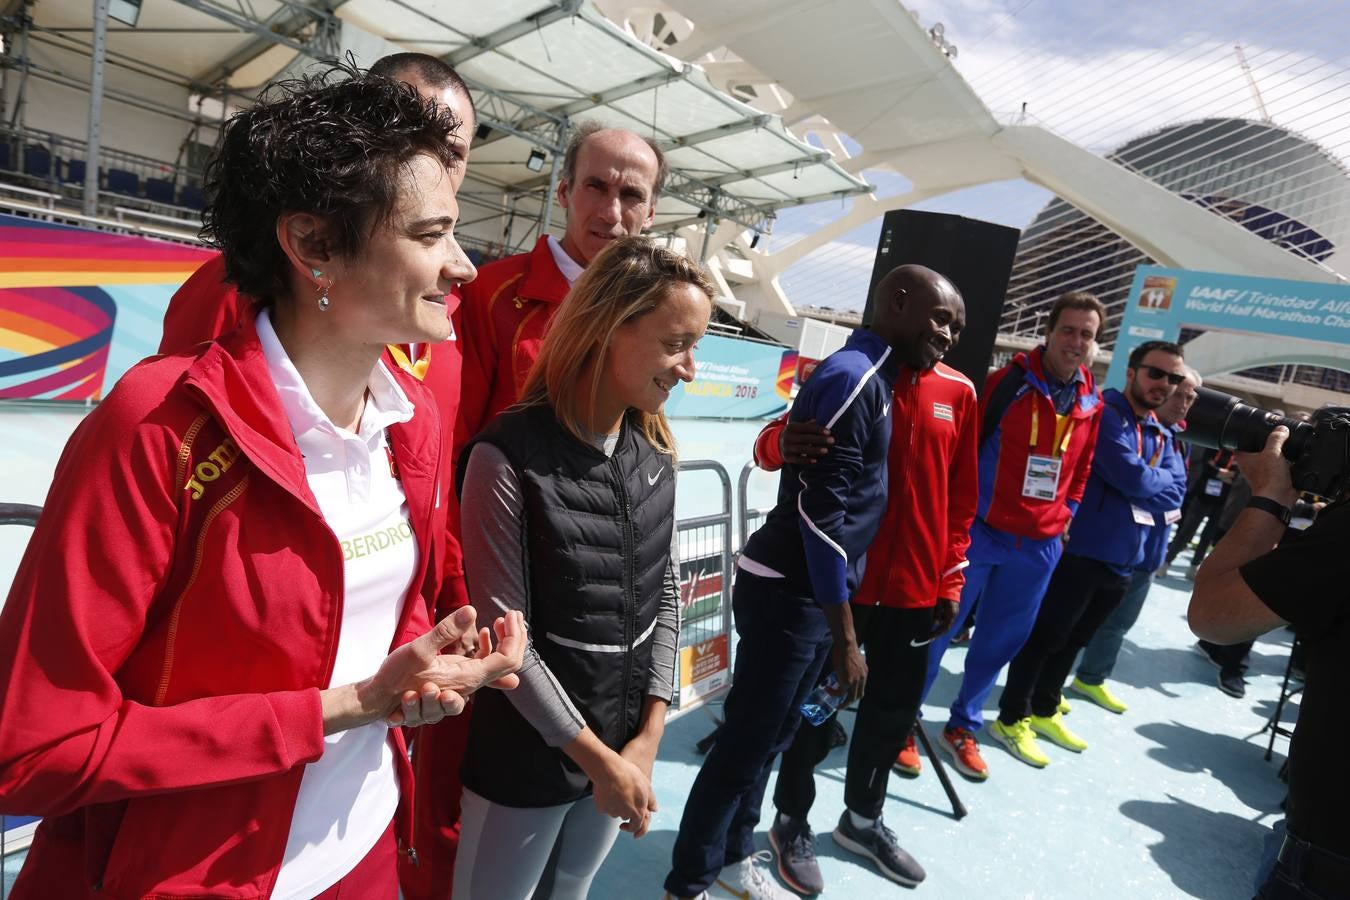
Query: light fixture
536	161
125	11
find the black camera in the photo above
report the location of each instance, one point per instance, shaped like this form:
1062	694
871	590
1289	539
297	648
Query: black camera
1318	450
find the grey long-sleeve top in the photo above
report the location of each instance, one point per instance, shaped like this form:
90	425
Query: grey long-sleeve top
494	564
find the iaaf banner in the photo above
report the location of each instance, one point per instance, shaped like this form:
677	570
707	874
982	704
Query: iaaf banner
736	379
1163	300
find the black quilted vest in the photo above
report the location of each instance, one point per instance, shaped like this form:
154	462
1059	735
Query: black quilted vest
597	534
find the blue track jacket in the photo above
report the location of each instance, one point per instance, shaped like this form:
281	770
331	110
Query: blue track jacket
1131	467
817	535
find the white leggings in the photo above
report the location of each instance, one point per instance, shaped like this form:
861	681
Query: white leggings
504	850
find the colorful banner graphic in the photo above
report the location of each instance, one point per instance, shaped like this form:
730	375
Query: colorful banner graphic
737	379
79	307
1163	300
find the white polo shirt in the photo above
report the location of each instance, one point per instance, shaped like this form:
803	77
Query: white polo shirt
348	796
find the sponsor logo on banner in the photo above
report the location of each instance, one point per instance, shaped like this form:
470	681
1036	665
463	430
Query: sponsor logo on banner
704	668
943	411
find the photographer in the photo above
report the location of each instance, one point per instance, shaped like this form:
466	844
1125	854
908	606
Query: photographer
1246	589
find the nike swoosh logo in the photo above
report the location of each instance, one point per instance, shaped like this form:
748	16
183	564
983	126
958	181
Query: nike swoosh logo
744	895
914	643
651	479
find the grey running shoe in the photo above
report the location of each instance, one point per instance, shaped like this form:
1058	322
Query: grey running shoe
879	845
1232	684
796	848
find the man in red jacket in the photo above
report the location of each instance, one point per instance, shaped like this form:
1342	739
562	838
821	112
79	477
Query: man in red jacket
1038	427
912	584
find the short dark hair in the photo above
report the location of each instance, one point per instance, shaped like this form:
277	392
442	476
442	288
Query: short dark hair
584	131
1138	353
432	71
332	144
1077	300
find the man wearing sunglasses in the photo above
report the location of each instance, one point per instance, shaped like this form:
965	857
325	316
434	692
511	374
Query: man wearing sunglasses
1133	478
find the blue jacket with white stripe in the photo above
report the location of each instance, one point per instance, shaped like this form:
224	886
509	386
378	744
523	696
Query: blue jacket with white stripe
817	535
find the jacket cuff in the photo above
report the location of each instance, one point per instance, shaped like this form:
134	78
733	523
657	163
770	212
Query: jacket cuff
299	717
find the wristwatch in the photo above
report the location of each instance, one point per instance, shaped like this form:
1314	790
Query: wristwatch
1273	507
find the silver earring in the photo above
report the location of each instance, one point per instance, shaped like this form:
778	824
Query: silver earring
324	302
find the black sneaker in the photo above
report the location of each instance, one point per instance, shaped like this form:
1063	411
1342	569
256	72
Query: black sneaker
795	846
1233	684
1199	647
878	844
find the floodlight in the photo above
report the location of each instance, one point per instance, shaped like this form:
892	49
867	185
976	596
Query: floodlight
536	161
125	11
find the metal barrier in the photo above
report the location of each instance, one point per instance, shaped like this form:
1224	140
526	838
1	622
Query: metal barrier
705	542
16	832
748	518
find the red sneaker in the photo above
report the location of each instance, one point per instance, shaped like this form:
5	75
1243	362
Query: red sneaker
908	763
962	747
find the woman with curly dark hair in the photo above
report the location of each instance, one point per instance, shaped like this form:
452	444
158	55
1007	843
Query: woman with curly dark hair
223	609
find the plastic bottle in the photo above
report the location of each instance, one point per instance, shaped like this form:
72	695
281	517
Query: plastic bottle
823	701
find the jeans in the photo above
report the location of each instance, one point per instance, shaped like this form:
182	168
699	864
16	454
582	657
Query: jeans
784	643
1099	656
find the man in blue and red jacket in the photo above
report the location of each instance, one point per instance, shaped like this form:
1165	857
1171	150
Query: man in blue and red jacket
1038	426
1130	483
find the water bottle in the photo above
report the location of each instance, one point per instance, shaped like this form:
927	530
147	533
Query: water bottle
823	701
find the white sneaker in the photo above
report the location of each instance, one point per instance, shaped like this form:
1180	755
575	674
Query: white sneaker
749	879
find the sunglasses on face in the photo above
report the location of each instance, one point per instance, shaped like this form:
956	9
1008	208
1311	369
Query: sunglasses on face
1156	373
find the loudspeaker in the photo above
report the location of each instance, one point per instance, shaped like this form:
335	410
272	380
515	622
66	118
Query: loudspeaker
975	256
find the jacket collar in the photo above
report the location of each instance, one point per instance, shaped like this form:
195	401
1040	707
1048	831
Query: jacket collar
1116	399
1031	364
231	379
543	281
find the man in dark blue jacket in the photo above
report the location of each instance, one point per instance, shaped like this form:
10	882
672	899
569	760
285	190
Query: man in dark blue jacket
1099	656
793	583
1108	541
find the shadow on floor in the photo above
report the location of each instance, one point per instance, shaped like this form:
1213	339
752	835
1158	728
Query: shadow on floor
1237	764
1210	855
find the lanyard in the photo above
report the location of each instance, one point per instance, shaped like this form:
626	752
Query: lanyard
416	369
1036	432
1157	451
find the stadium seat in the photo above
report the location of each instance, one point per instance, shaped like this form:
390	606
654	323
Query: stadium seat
121	181
190	196
75	171
37	161
160	190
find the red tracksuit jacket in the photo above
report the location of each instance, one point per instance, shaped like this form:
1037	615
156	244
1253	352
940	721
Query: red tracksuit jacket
920	550
169	629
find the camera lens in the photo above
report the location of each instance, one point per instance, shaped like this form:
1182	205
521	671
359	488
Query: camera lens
1223	422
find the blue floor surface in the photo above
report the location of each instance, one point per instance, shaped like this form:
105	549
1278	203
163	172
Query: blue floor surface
1171	799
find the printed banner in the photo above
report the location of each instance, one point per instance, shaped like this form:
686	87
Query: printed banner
78	307
1162	300
737	379
704	668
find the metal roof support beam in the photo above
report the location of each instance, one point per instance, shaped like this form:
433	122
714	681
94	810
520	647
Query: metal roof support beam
276	29
720	131
91	166
564	9
58	77
769	170
505	113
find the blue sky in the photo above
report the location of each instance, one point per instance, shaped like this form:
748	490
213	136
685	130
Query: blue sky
1099	73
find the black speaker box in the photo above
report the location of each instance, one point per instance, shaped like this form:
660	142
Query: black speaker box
975	256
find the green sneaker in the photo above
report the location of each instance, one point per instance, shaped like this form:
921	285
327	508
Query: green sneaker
1053	728
1019	741
1099	694
1064	707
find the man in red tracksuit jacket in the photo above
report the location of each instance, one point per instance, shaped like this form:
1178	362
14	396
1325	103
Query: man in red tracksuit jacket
914	569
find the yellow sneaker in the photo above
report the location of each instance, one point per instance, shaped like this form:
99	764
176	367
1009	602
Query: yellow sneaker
1019	741
1064	707
1099	694
1053	727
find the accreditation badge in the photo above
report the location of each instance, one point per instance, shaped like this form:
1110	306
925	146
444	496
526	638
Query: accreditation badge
1172	516
1213	487
1141	516
1042	478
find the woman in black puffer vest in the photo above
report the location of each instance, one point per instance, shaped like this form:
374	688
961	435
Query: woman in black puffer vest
568	507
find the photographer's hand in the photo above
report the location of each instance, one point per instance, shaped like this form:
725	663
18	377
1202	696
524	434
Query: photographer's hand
1268	471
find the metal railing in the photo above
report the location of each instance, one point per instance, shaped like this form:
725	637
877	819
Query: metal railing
16	832
706	556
